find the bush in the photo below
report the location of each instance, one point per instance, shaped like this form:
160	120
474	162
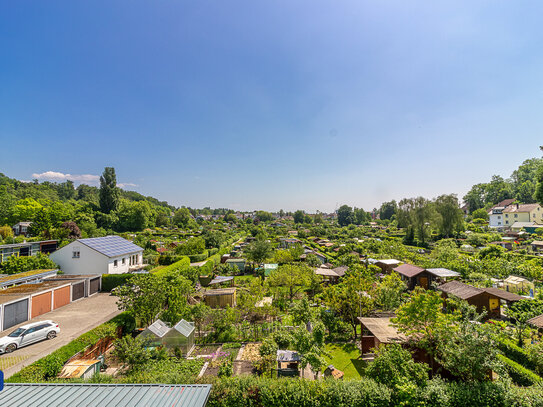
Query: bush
15	264
518	373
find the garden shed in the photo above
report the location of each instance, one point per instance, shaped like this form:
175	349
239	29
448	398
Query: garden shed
220	297
375	331
288	362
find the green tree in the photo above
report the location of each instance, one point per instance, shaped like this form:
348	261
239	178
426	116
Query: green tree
259	250
350	299
264	216
299	216
345	215
387	210
393	366
25	210
181	217
41	225
144	297
452	219
476	197
300	311
521	311
292	278
470	354
388	295
480	214
422	319
109	193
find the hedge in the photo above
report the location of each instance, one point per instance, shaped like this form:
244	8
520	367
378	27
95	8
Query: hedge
110	281
252	391
194	258
517	354
183	263
518	373
50	366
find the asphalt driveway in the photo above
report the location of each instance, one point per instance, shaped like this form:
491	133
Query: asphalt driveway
74	320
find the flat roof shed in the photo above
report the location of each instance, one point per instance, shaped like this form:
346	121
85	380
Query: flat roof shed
104	395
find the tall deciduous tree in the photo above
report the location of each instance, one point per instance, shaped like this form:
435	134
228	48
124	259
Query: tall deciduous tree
345	215
299	216
452	218
109	193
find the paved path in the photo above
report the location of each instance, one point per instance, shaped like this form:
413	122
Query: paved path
74	319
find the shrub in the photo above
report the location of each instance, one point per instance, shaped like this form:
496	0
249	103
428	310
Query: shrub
194	258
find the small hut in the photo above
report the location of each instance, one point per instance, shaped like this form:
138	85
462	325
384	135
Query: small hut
516	284
288	363
220	297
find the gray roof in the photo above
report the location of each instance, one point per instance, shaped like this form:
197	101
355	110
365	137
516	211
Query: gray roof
443	273
159	328
25	244
288	356
183	327
221	279
111	246
119	395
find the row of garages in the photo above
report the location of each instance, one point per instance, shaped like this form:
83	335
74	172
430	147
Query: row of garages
21	303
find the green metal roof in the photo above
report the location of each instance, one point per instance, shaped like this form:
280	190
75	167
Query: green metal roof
118	395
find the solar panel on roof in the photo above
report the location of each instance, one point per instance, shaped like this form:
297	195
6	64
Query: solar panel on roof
111	246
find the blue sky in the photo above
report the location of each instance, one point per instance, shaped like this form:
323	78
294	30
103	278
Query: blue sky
272	104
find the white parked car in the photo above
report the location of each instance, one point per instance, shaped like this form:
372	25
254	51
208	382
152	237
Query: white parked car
28	334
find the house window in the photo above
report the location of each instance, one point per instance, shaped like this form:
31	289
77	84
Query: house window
76	254
516	216
124	260
115	263
499	217
499	223
506	215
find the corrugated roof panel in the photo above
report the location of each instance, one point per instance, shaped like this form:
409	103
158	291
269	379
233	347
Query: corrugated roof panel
111	246
86	394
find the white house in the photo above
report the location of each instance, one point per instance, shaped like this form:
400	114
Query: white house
99	255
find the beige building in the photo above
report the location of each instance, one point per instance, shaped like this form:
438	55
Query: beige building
522	213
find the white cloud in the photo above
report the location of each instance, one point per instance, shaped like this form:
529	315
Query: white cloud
59	177
126	184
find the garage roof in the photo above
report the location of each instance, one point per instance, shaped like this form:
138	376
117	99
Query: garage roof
120	395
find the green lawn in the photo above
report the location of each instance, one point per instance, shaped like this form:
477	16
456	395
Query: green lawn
345	357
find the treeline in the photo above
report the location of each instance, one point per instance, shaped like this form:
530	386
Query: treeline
525	185
59	209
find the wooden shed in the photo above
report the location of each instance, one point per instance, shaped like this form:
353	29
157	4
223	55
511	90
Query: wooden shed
414	276
484	299
220	297
377	331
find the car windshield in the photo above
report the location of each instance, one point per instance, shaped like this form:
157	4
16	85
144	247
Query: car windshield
17	332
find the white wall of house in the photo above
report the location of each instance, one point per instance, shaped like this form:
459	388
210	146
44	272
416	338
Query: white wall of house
496	220
90	261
